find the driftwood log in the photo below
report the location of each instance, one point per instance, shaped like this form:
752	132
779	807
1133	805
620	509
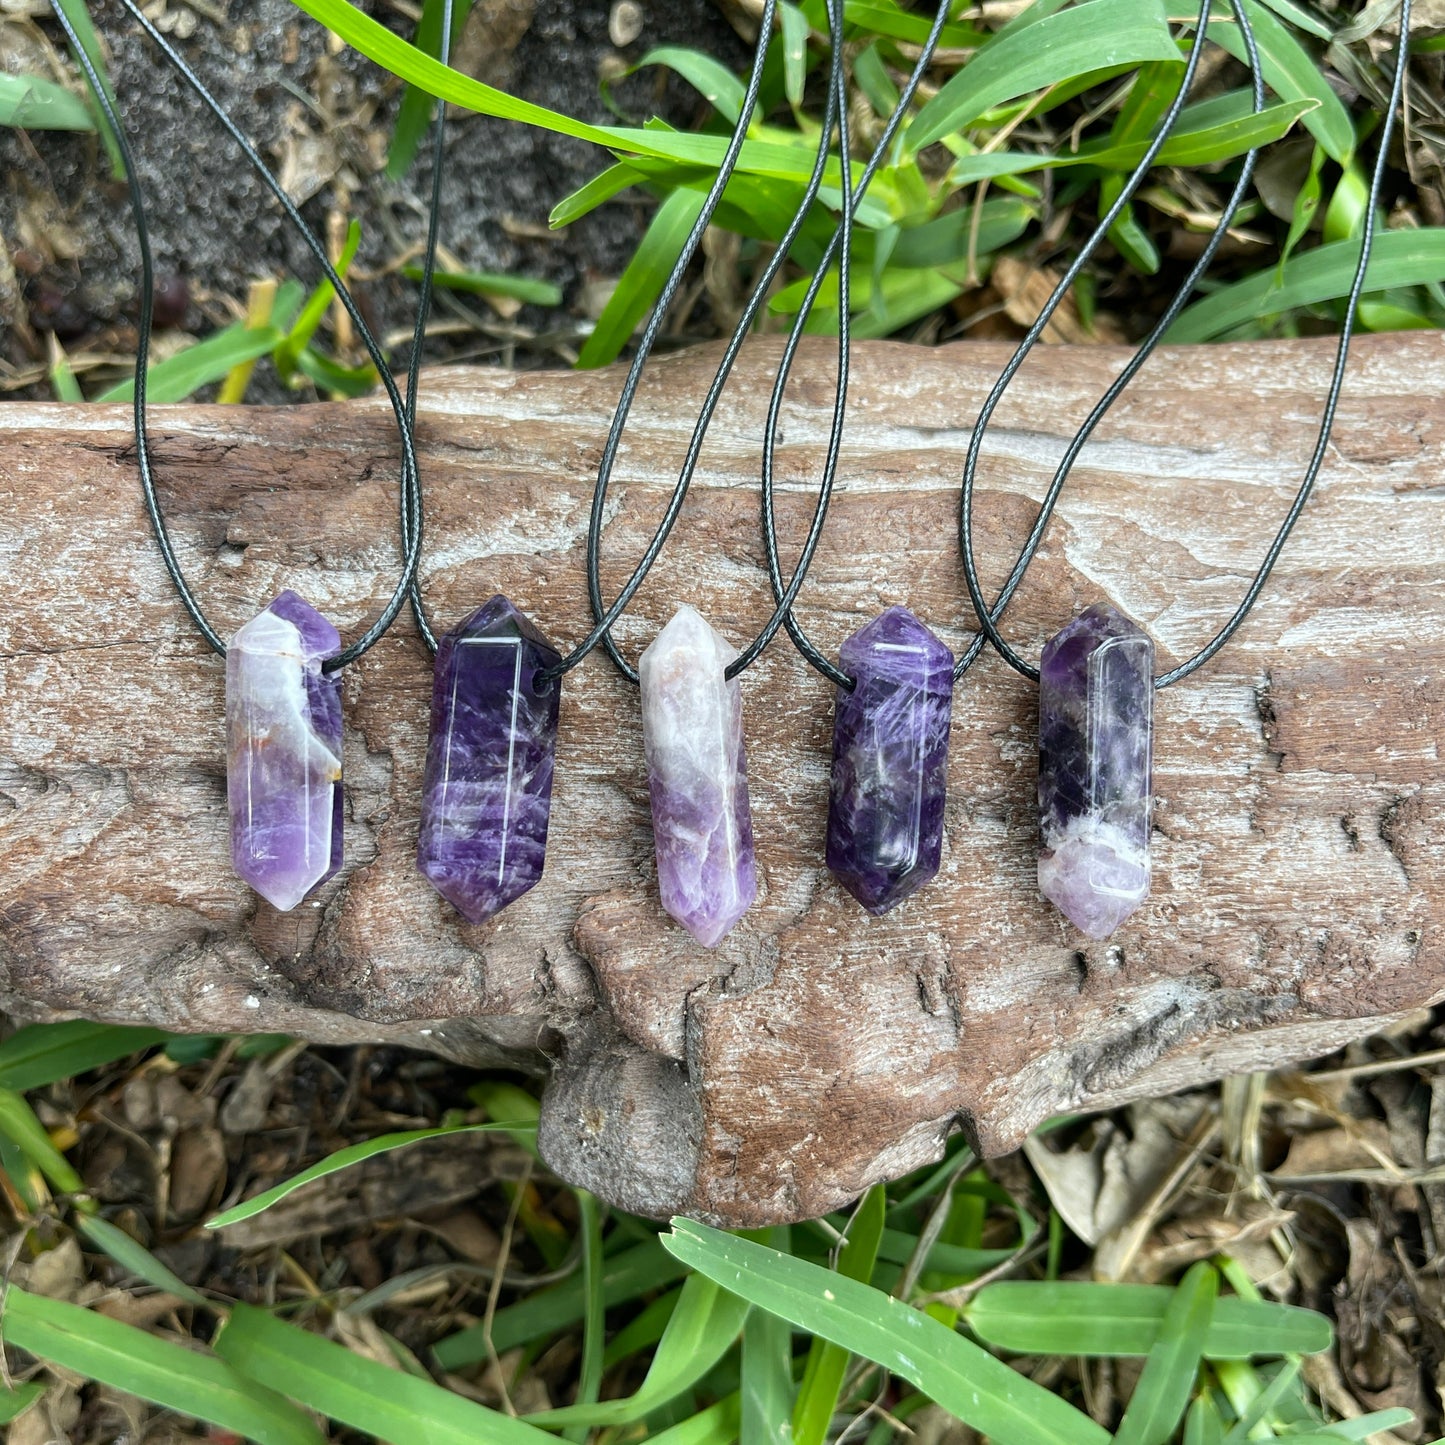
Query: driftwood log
1300	830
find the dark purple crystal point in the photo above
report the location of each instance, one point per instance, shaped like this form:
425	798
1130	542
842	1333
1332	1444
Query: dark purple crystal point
890	760
283	751
1096	730
487	791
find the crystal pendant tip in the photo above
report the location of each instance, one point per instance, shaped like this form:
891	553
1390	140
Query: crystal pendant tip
283	751
1096	722
890	761
487	788
692	731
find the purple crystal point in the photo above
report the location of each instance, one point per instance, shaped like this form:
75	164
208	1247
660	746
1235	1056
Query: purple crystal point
1096	732
283	751
487	791
890	760
697	774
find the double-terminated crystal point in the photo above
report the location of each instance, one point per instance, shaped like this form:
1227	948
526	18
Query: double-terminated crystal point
283	751
1096	726
487	790
697	774
890	760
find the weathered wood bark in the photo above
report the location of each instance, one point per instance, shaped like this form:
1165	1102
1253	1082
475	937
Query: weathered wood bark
1300	833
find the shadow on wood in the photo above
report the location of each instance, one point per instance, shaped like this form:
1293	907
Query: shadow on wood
1299	830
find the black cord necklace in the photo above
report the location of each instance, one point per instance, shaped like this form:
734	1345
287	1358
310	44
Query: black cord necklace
283	697
487	787
895	677
1096	677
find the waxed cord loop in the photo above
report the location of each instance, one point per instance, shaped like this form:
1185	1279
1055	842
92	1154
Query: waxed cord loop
408	493
809	650
988	617
839	244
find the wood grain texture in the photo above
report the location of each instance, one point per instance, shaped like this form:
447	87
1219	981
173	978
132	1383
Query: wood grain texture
1300	836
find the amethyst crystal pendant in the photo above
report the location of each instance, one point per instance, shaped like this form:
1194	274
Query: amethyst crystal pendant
890	760
487	790
283	751
1096	730
697	774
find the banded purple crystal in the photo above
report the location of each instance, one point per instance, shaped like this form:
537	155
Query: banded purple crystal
487	790
890	760
283	751
1096	731
697	774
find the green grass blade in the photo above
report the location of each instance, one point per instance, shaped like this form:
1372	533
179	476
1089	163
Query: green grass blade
792	160
1207	134
964	1379
136	1258
41	1054
414	114
62	383
387	1404
594	1319
1082	39
1400	258
418	68
897	1247
870	75
342	1159
597	192
1203	1425
1041	1317
14	1403
530	289
78	13
1291	72
1264	1402
1306	205
333	378
945	240
20	1126
31	102
289	296
767	1380
1300	18
626	1276
175	378
644	1330
881	17
701	1330
717	1425
1153	92
827	1362
304	327
1167	1381
710	78
153	1369
1212	134
27	1181
640	284
917	279
795	28
1360	1428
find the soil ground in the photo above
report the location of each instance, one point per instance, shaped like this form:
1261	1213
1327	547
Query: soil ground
324	119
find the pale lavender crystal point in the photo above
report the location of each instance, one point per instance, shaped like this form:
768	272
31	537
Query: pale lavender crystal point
890	760
697	774
283	751
1096	729
487	792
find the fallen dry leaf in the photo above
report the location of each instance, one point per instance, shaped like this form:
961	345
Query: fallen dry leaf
1024	289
